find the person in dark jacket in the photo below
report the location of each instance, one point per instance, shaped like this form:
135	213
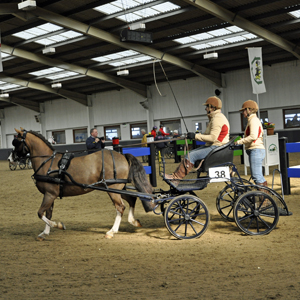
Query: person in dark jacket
93	143
160	146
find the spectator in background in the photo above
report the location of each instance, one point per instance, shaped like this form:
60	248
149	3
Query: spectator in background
93	143
51	140
160	146
162	130
153	131
175	134
144	140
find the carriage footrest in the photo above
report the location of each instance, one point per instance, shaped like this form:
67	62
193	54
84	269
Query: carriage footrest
282	212
189	182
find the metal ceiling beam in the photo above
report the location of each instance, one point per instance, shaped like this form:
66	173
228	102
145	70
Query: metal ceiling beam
235	19
86	29
22	102
81	98
136	87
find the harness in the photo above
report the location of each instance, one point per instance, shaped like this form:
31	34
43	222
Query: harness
62	173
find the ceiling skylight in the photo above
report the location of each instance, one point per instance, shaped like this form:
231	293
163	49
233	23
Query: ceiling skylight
54	73
120	5
295	13
123	58
3	55
214	38
42	30
6	86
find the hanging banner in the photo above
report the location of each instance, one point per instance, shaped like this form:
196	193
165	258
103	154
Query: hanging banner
1	66
256	70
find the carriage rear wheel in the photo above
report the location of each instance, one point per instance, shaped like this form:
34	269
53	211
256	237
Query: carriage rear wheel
227	197
12	166
187	217
256	213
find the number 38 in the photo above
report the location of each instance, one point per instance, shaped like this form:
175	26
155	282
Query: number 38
220	174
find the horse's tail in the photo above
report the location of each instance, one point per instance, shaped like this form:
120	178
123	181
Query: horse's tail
137	176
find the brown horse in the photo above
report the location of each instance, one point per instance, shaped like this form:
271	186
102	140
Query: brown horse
85	170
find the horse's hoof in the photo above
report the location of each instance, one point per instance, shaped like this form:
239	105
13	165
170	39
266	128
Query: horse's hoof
61	225
138	223
108	236
40	238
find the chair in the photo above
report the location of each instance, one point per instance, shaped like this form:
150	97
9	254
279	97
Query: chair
217	156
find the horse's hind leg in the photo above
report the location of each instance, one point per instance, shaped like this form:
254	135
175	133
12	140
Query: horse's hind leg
47	205
131	219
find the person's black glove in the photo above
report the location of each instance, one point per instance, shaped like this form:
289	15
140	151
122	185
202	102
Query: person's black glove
191	135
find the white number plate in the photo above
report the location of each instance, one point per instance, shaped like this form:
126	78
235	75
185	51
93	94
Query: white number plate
219	174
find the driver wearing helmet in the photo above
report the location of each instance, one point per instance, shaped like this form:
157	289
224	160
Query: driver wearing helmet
215	135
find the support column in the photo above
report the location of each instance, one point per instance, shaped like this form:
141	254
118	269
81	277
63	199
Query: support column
90	113
3	135
150	116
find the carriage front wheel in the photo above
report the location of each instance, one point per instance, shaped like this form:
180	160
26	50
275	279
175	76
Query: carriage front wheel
256	213
186	217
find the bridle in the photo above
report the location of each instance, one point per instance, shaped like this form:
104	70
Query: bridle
21	152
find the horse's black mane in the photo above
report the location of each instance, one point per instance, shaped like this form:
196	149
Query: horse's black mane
42	138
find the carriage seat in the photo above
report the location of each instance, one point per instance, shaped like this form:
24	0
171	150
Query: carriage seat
217	156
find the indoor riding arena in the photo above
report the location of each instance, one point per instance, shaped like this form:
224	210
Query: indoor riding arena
149	149
140	263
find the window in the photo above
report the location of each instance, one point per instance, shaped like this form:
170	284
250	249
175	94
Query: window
80	135
59	137
291	118
170	126
135	130
111	132
264	116
198	126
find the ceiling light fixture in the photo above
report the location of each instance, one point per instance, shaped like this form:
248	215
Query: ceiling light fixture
4	95
123	73
56	85
27	5
138	26
213	55
49	51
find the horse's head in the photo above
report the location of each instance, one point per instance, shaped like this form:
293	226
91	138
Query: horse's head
20	147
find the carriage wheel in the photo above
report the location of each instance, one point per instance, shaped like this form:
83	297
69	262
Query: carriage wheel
226	199
187	217
256	213
165	204
28	163
12	166
22	164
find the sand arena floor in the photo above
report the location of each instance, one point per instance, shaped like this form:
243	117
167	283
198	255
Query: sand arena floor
139	263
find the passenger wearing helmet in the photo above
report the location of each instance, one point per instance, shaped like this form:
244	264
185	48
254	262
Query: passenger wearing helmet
216	134
253	141
153	131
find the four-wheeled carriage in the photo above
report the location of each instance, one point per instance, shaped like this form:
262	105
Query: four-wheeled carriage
255	209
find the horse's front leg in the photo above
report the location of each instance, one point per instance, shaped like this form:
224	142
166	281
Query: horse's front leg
47	205
120	207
